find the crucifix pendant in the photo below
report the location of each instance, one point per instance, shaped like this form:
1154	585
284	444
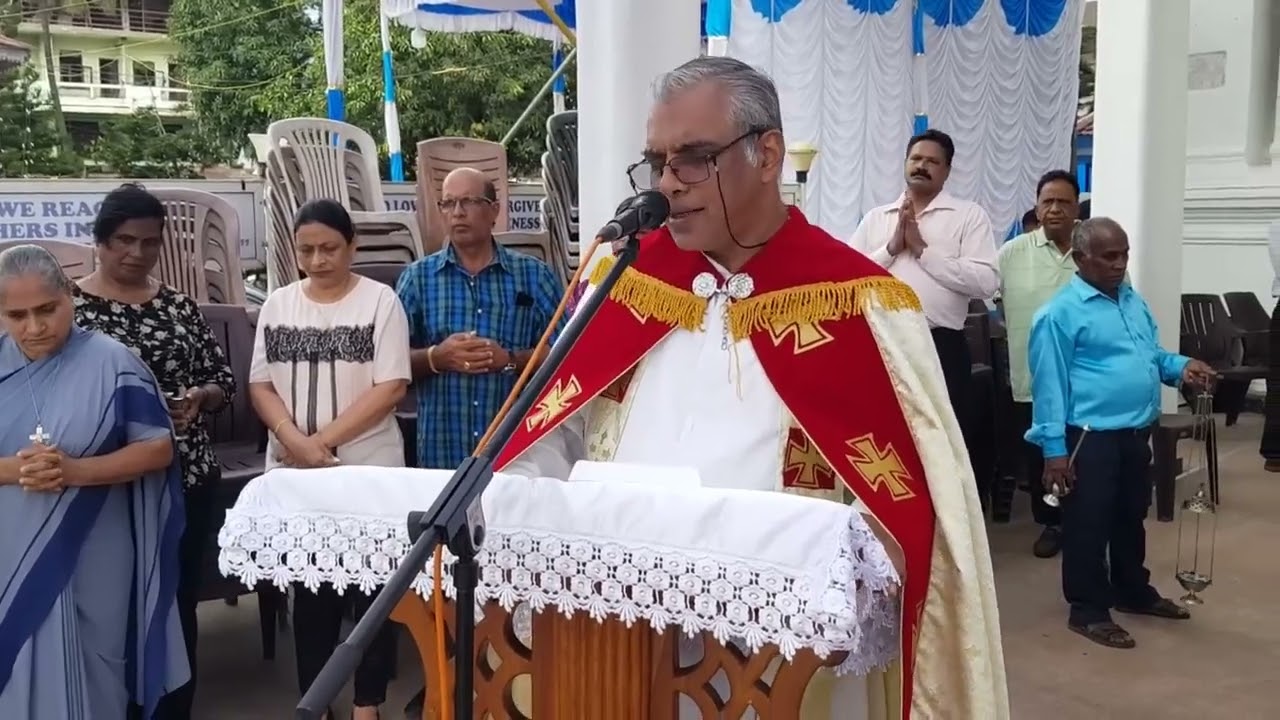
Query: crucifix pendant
40	436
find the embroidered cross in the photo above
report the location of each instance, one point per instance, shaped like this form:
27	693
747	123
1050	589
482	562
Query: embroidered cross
557	400
806	466
804	336
880	467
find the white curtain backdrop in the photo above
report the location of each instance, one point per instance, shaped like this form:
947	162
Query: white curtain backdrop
845	82
1007	98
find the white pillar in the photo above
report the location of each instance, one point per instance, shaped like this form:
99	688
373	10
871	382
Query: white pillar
1140	145
1264	56
623	45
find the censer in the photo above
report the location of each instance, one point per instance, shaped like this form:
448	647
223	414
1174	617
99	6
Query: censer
1198	519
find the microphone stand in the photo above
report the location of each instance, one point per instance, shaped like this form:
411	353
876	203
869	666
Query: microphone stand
456	520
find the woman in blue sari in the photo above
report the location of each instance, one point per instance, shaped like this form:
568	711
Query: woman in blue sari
90	512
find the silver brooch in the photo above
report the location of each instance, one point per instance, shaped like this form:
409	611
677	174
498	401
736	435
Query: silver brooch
705	285
740	286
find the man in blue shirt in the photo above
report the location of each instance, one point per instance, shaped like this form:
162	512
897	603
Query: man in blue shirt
476	311
1096	371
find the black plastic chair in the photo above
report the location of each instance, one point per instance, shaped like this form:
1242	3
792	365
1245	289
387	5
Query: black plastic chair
1253	320
239	442
387	273
1209	335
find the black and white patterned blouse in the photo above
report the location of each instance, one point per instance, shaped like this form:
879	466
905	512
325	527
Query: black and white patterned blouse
321	358
171	336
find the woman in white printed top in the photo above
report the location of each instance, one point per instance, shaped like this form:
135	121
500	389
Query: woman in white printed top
330	363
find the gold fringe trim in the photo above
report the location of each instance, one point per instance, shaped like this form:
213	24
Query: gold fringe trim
809	304
649	297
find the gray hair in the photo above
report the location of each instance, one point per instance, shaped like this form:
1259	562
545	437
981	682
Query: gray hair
753	98
29	260
1085	230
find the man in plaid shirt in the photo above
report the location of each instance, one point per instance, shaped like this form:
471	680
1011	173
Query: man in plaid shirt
476	310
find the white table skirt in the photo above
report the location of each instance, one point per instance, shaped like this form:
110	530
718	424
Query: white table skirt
752	566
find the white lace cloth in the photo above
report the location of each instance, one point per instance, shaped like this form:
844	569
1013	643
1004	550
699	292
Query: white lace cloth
756	567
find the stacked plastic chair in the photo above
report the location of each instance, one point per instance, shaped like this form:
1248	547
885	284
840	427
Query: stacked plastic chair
560	180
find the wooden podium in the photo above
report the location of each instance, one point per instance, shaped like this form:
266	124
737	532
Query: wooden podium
582	669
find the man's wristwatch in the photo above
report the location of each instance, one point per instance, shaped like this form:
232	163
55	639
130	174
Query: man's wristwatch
511	363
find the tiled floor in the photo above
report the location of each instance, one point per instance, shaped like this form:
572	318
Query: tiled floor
1224	663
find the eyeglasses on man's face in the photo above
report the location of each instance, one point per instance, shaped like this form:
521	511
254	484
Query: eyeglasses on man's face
466	203
689	168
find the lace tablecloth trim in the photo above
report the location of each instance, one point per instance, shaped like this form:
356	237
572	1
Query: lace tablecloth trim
847	609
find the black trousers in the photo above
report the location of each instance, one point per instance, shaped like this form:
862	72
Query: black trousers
957	371
191	555
1032	469
1271	412
317	621
1104	541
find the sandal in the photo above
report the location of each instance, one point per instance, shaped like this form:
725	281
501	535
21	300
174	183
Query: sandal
1107	634
1162	608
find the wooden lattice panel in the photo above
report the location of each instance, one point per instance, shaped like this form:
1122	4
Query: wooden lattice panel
763	681
581	669
501	658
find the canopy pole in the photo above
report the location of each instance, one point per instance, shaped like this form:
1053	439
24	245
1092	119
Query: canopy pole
542	93
558	21
390	116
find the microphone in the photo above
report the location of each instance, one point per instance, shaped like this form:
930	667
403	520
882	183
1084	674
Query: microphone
625	205
644	212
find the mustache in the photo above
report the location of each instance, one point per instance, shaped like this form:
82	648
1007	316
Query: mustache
922	173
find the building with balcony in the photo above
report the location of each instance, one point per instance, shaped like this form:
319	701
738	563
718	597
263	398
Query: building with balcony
108	62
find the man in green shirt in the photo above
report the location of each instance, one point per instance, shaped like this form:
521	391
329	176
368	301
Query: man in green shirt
1033	267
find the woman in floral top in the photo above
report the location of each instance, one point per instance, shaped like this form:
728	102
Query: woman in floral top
166	329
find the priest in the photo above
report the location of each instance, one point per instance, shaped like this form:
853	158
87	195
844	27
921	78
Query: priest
755	347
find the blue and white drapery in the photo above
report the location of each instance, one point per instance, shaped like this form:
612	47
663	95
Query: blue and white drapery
1003	81
522	16
858	77
843	69
390	117
331	26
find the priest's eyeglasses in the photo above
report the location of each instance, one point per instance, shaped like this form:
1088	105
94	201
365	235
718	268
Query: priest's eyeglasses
689	168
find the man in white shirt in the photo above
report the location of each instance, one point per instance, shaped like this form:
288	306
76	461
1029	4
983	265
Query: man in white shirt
941	246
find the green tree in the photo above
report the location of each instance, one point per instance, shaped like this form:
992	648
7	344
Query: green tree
470	85
243	61
141	146
31	144
10	16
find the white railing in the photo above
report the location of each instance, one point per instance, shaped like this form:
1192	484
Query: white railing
122	95
134	19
